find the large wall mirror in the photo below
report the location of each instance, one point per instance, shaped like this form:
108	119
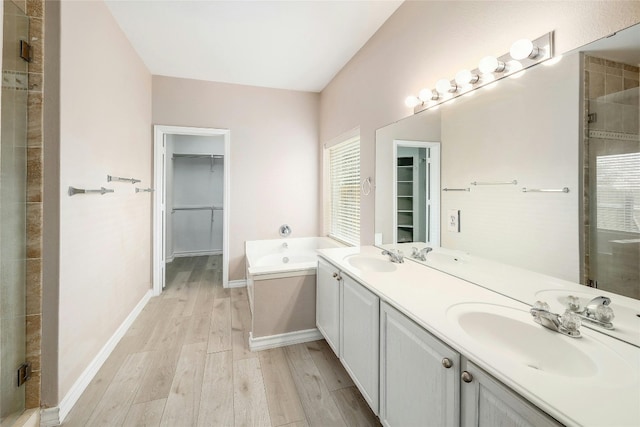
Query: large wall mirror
539	172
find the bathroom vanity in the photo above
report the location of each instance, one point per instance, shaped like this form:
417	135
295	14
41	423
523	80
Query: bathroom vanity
425	347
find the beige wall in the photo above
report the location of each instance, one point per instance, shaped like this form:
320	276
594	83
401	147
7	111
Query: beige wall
105	241
274	153
425	41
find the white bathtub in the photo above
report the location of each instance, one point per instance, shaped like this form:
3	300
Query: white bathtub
281	285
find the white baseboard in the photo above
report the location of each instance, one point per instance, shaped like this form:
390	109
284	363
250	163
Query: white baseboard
237	283
281	340
50	417
72	396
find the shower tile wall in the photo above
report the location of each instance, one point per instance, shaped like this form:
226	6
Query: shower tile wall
612	92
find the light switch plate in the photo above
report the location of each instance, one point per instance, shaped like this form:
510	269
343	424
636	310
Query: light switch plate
453	221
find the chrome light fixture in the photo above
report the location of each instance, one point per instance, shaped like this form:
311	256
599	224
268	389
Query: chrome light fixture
523	54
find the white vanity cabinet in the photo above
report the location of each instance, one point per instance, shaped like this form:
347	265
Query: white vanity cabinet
487	402
328	303
419	375
360	338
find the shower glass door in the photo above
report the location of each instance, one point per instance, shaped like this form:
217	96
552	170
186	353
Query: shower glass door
614	176
13	179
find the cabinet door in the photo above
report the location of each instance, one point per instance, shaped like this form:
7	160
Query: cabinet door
328	303
416	387
488	403
360	338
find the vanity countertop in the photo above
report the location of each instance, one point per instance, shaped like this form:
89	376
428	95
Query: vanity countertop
609	396
529	286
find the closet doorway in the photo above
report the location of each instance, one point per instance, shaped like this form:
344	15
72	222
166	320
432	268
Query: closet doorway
191	200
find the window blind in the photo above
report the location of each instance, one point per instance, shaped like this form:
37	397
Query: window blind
344	175
618	192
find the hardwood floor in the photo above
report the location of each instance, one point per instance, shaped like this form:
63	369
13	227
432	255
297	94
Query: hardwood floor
186	362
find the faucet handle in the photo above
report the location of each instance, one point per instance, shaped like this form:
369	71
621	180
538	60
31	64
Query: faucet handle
573	303
604	314
571	322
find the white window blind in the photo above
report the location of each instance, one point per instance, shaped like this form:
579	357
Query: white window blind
344	176
618	192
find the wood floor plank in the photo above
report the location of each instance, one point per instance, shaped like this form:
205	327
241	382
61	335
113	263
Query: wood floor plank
332	371
198	328
206	297
170	332
240	325
220	330
318	404
173	289
157	381
183	402
249	398
282	397
114	405
302	423
216	404
145	414
354	408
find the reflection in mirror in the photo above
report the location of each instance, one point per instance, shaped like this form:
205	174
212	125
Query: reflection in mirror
417	192
571	125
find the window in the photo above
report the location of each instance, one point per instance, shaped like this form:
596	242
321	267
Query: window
618	192
343	200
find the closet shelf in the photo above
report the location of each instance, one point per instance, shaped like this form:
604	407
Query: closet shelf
197	156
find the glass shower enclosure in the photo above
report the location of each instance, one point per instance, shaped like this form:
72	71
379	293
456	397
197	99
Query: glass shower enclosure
13	189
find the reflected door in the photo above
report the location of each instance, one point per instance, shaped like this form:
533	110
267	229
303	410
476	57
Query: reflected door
613	245
13	178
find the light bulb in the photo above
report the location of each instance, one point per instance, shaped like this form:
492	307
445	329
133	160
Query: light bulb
465	77
412	101
523	49
515	69
490	64
427	95
445	86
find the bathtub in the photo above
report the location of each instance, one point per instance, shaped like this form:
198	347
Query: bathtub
281	284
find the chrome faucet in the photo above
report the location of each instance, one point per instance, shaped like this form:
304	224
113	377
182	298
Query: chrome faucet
421	254
394	255
568	324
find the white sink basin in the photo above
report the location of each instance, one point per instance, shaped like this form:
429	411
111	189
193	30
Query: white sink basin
514	335
370	263
442	259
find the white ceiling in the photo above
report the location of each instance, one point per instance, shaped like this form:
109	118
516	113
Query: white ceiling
297	45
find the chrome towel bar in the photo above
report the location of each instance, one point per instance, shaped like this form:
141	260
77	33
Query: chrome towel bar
111	178
101	191
545	190
514	182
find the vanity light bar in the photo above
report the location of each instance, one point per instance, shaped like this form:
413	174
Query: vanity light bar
490	69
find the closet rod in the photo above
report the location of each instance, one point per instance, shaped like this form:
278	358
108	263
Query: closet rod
200	208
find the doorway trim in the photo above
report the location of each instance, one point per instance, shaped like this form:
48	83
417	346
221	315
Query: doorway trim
159	212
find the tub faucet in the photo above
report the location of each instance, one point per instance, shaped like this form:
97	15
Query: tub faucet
394	255
421	254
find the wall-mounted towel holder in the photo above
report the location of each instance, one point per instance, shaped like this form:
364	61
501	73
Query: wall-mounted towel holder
73	191
456	189
144	190
514	182
545	190
111	178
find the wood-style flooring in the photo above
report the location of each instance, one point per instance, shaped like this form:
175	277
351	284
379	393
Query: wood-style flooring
185	362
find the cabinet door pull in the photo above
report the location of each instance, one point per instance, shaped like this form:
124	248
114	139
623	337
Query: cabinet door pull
335	276
467	377
447	363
